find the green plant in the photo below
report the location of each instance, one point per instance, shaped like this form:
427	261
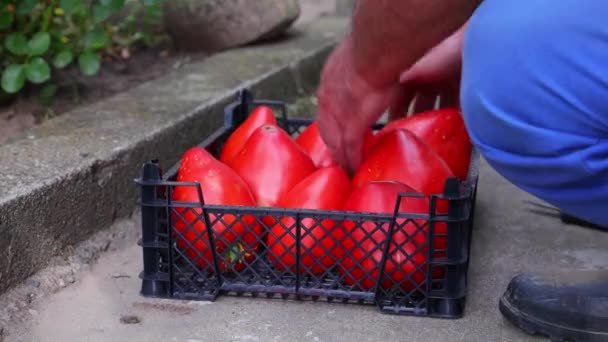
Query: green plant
39	36
142	23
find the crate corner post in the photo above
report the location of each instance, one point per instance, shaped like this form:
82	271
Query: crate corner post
154	281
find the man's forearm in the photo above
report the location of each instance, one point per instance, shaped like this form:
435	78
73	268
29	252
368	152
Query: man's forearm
388	36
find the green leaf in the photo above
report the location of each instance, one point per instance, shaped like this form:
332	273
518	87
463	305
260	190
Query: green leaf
71	6
101	13
26	6
47	93
16	43
151	2
13	78
63	59
38	70
117	5
89	63
39	44
96	39
114	5
6	19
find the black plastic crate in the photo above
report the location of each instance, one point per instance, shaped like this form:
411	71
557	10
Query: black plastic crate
433	284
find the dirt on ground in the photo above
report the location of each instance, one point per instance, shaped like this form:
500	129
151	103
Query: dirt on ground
75	90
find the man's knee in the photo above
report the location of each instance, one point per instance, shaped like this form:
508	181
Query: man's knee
525	56
537	110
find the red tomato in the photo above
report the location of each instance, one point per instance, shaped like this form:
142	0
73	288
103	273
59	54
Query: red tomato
406	265
311	142
400	156
271	163
235	240
325	189
368	144
262	115
444	130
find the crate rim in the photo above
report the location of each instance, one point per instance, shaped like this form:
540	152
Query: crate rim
244	96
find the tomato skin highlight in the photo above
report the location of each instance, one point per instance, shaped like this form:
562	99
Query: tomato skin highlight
262	115
236	241
444	131
271	163
325	189
406	264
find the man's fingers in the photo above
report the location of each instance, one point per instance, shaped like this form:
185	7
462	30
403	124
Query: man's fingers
353	154
330	131
349	105
344	141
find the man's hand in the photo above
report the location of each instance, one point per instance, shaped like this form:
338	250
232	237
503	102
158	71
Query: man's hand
348	106
436	74
361	78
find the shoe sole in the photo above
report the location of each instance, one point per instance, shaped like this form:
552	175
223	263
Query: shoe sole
556	333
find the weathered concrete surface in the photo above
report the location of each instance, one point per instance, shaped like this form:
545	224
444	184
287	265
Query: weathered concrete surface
73	175
507	240
313	9
344	7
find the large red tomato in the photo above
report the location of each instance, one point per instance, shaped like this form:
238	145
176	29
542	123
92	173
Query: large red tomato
311	142
236	240
271	163
401	156
262	115
406	263
444	130
325	189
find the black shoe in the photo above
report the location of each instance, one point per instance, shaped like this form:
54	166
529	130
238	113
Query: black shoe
569	219
569	306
